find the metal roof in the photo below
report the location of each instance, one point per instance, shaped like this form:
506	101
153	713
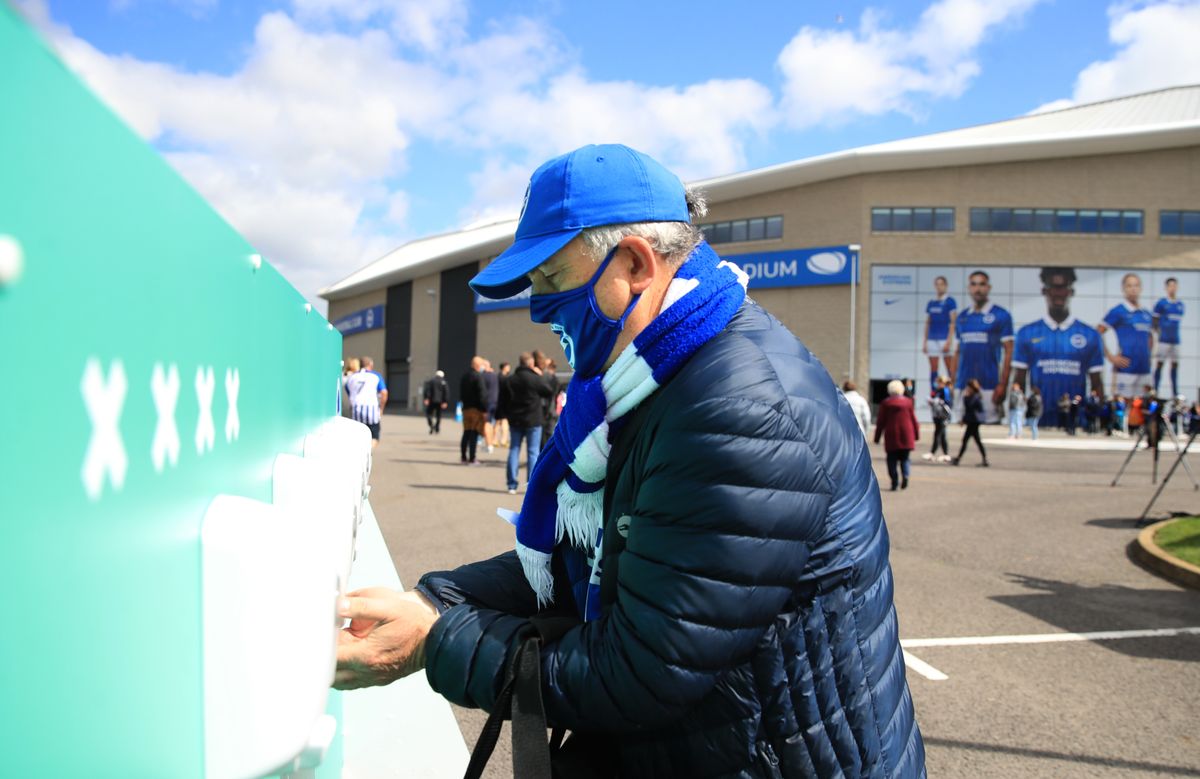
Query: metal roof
1162	119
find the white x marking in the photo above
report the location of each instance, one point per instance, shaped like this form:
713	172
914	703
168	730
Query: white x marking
106	451
205	434
233	425
164	386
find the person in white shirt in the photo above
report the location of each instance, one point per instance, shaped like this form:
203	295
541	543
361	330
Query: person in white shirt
368	397
862	409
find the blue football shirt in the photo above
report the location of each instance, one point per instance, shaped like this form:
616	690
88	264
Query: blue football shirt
939	317
981	335
1169	315
1058	357
1132	326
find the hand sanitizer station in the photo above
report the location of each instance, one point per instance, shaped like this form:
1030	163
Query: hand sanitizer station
181	503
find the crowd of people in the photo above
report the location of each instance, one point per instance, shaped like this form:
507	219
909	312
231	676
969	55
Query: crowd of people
1117	415
502	407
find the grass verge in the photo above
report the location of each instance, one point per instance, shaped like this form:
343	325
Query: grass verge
1181	538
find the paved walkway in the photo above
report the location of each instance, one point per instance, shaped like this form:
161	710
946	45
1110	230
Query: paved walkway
1036	647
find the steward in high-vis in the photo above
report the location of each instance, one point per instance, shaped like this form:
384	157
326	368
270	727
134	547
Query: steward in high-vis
705	513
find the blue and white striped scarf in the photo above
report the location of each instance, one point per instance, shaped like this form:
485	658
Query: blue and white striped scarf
566	490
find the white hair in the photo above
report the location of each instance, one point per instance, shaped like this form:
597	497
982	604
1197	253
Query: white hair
673	240
895	387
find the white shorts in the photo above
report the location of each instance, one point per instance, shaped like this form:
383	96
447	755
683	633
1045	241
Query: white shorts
1131	384
935	348
1164	352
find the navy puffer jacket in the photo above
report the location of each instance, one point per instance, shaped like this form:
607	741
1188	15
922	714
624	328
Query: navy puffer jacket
748	627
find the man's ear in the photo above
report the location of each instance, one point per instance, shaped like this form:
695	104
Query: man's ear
644	264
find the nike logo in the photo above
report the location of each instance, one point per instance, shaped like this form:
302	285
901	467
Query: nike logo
891	301
1036	340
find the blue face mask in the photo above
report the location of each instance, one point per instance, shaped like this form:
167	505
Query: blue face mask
586	334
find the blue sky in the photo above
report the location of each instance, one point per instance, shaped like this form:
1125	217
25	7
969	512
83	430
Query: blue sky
330	131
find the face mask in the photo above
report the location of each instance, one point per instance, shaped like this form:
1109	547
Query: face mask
586	334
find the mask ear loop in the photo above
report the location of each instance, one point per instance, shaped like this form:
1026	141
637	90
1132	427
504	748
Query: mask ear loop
617	323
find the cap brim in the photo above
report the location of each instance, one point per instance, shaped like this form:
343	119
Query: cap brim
506	276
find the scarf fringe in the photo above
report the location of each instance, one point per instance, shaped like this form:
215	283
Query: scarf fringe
579	516
537	571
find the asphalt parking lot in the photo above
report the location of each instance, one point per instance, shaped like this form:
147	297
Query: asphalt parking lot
1036	647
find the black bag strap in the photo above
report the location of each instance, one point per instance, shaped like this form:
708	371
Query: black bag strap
521	699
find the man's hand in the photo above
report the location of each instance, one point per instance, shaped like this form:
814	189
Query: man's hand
946	347
1119	360
998	394
385	640
445	405
925	347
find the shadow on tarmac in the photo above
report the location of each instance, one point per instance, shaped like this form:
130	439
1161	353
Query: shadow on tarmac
1076	608
1043	754
455	487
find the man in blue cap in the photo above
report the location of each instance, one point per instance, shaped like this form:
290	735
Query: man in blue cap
705	512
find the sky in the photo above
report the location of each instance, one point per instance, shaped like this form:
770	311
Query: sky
329	132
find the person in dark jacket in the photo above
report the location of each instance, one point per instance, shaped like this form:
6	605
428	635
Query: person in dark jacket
491	383
705	511
436	395
897	425
501	431
973	414
472	393
527	390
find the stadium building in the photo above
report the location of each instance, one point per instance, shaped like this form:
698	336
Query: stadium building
845	248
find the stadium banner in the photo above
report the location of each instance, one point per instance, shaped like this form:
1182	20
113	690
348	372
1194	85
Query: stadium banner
813	267
361	321
1043	324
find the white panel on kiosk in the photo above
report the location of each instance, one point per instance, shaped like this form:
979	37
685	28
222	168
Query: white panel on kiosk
270	639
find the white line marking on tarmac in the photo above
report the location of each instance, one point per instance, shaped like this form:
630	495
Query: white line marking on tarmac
924	668
1047	638
929	672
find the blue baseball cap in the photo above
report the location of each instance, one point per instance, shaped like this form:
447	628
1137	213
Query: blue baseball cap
589	187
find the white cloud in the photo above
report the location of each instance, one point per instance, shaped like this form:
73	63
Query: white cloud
1156	48
831	76
427	24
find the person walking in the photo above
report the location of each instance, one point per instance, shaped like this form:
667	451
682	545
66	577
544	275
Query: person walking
436	395
1016	411
973	416
1033	410
473	394
368	397
897	425
859	405
939	412
501	433
527	390
491	383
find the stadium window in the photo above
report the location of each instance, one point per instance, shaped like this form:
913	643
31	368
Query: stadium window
1043	220
980	223
1001	220
1089	221
1066	220
906	219
743	230
1110	221
1179	223
774	227
1131	222
1022	220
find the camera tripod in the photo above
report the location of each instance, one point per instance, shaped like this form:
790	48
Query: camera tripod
1180	459
1152	440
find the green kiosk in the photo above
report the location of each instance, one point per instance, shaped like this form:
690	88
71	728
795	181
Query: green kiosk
180	501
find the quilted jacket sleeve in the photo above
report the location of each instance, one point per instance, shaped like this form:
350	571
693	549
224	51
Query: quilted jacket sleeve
730	496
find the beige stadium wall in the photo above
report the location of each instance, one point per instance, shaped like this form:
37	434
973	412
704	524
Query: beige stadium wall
424	344
824	214
371	342
503	335
1149	181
